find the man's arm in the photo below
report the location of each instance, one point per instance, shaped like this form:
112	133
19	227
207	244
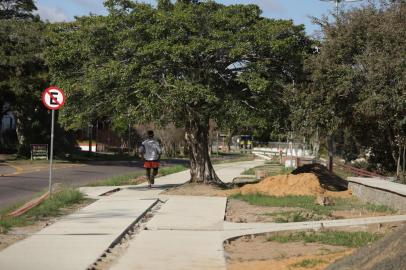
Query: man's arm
141	151
159	149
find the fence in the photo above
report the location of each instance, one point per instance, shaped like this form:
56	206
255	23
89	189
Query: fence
358	171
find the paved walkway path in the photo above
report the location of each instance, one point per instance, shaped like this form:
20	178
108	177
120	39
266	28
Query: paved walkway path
76	241
186	232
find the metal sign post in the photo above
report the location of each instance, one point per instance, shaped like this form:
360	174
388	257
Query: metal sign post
53	98
52	151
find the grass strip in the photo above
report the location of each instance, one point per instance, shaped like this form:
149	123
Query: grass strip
130	179
294	216
272	169
51	207
338	238
308	203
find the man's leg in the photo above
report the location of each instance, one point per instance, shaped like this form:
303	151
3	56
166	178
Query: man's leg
148	174
154	174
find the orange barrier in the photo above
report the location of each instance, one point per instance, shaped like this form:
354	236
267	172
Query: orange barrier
29	205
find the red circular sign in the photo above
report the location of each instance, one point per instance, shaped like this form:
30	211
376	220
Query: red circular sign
53	98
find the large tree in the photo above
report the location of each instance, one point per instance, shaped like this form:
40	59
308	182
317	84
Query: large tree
17	9
357	84
186	63
22	69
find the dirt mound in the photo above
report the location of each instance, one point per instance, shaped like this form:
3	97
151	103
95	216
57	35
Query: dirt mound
282	185
388	253
328	180
291	184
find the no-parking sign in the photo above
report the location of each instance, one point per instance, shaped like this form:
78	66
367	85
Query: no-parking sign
53	98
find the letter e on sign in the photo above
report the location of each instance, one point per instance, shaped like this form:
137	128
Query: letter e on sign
53	98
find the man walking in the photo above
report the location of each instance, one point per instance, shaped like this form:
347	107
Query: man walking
150	150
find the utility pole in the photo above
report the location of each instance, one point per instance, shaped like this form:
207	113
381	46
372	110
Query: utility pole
337	2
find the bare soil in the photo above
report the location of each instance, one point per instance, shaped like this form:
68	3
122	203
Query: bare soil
256	253
19	233
389	253
243	212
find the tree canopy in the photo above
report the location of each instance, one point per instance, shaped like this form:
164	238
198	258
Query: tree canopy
185	63
17	9
356	82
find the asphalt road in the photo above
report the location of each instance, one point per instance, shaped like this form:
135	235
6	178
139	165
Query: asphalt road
24	186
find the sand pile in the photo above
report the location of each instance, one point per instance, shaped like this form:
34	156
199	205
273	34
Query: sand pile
290	184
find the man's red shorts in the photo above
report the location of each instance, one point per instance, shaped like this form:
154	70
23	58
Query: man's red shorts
151	164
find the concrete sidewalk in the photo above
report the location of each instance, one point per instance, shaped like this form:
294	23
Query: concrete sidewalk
184	234
78	240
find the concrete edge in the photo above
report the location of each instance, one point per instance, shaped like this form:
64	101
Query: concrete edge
374	187
315	225
123	233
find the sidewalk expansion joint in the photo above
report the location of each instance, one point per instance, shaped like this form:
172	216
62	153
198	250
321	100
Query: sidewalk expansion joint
117	248
110	192
184	230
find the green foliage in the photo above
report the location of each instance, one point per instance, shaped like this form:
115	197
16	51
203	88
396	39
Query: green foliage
176	63
17	9
23	76
184	63
338	238
356	83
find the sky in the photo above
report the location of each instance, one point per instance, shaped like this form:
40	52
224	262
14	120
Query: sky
300	11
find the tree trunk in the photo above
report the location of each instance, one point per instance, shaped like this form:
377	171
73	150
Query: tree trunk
201	169
404	162
330	147
229	139
398	163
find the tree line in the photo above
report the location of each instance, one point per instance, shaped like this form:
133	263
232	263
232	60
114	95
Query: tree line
189	63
